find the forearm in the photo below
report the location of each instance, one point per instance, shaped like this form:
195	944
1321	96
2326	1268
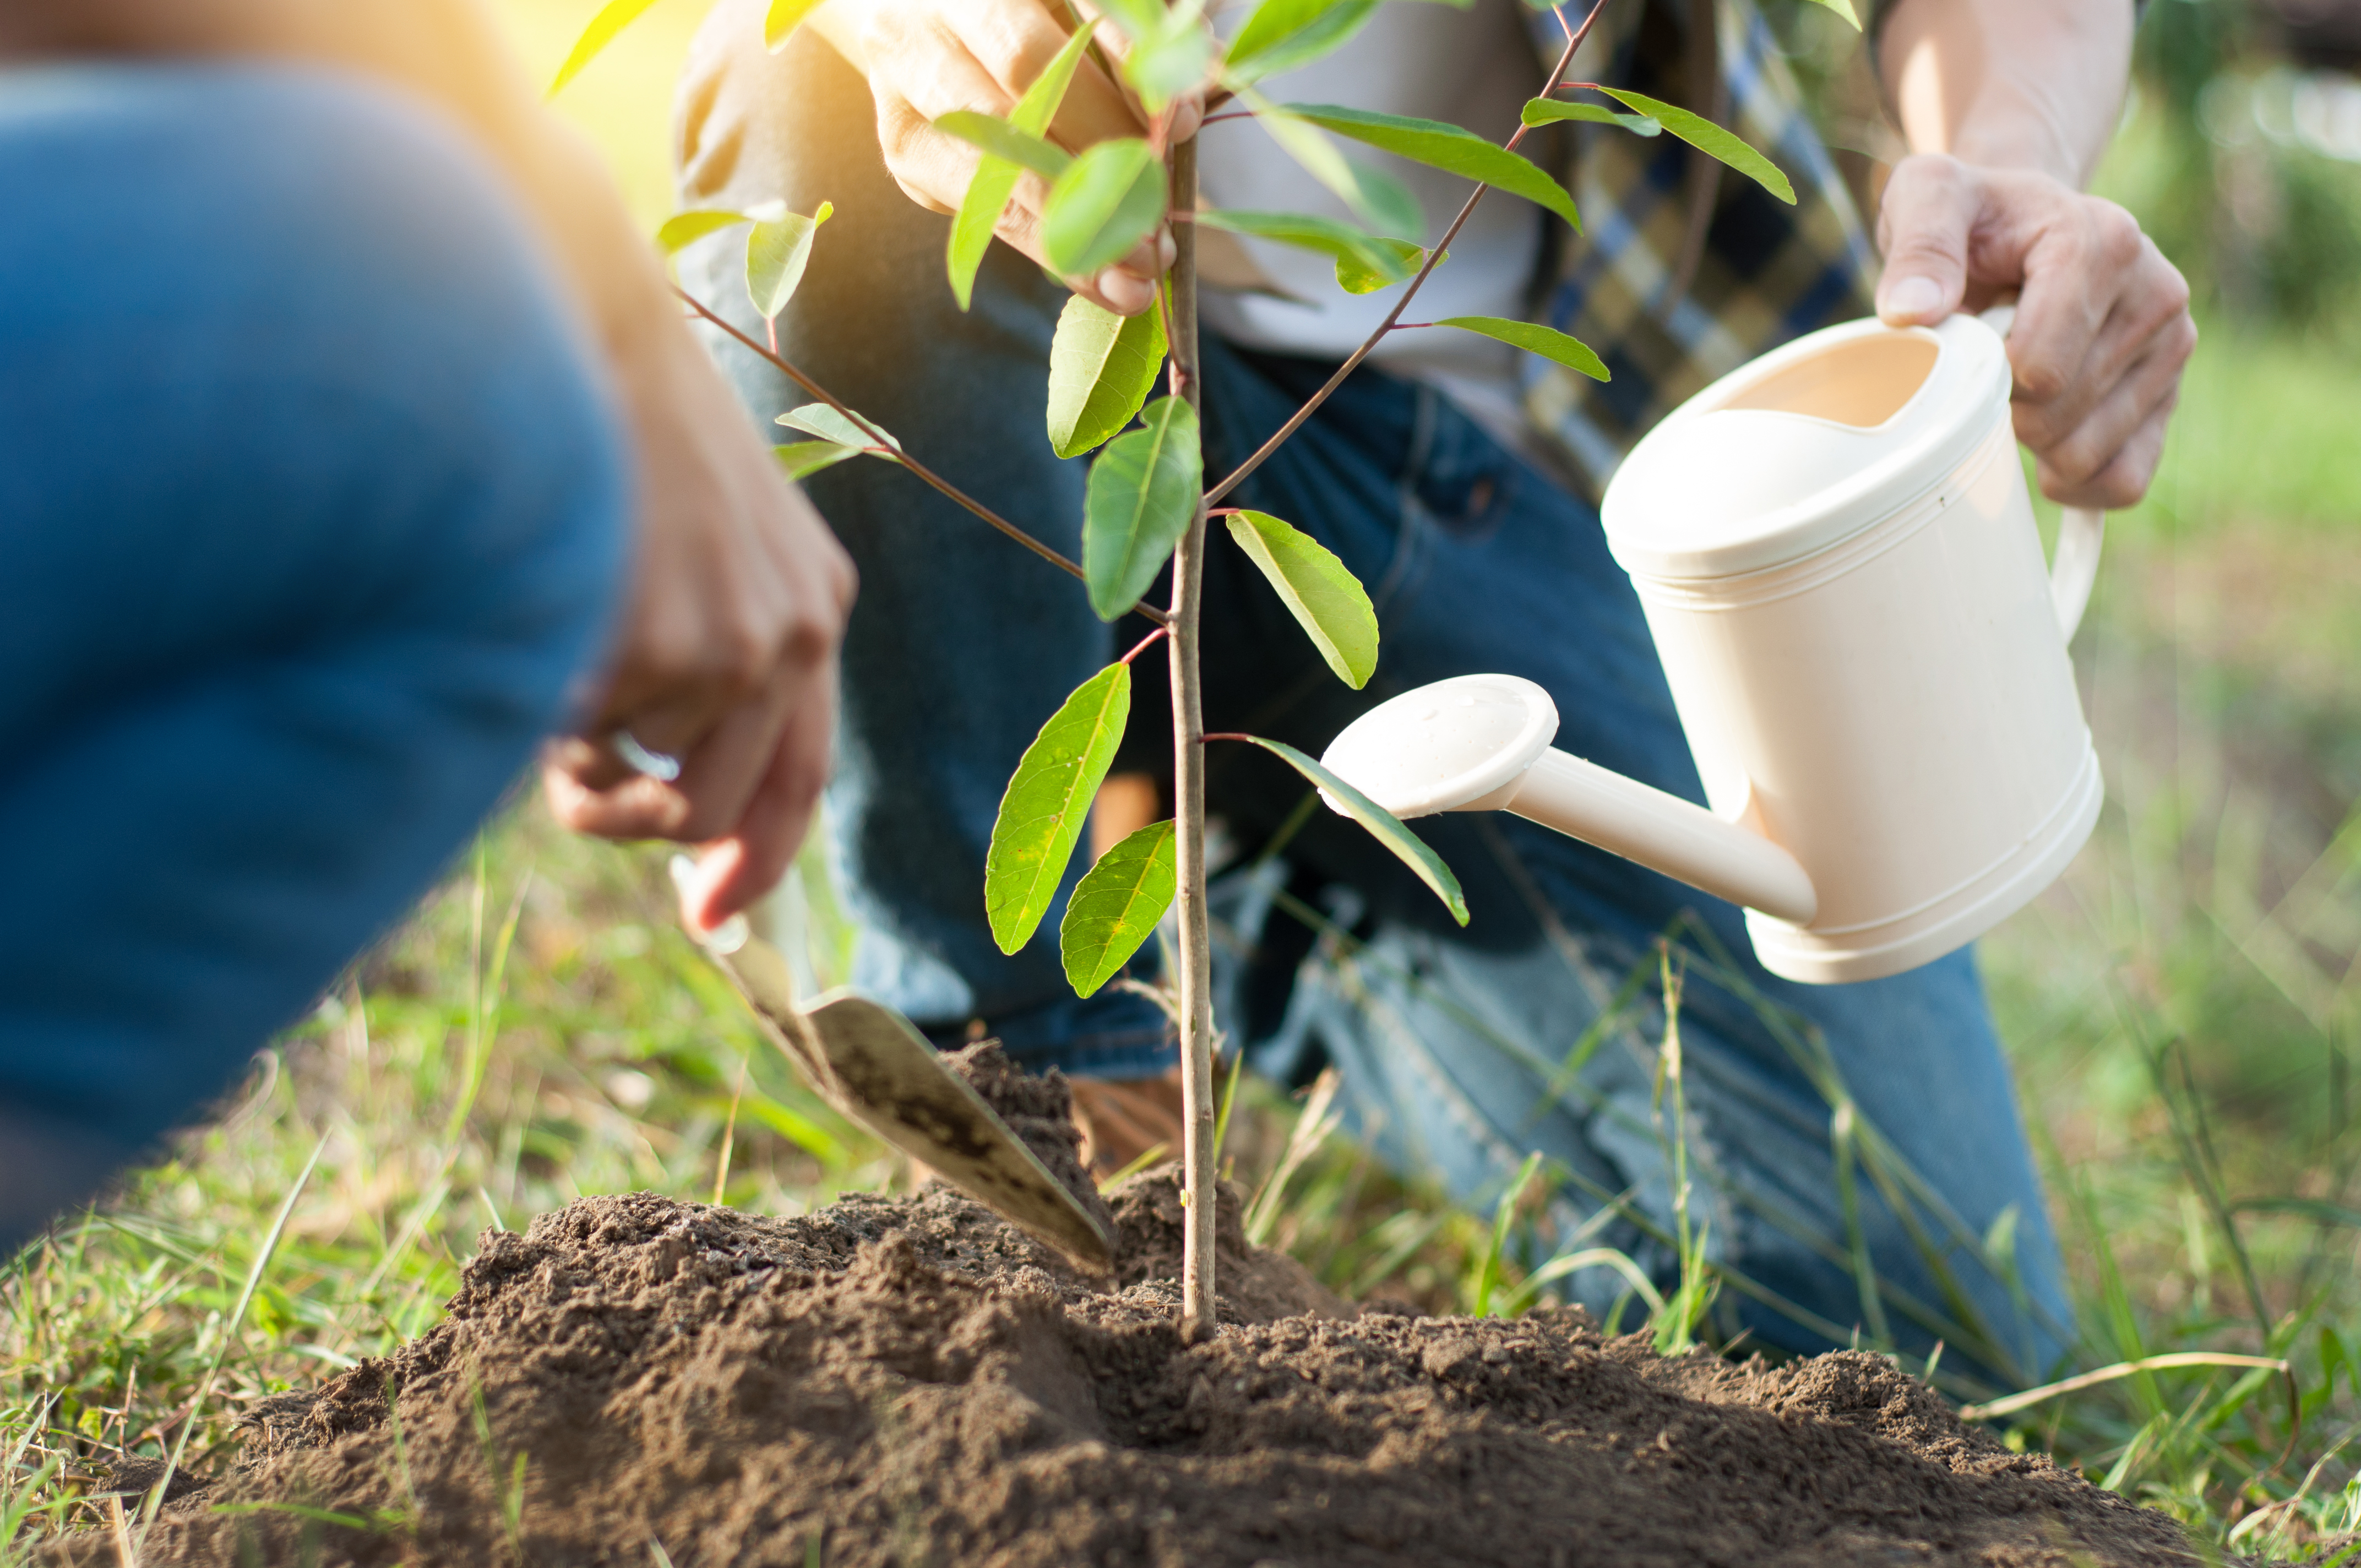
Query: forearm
2033	84
446	52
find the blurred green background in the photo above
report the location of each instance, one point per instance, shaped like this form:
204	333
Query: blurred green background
2182	1008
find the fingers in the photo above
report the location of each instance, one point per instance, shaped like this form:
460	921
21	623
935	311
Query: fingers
1925	221
2101	329
742	865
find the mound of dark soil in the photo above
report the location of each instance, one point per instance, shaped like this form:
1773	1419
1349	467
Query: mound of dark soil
911	1382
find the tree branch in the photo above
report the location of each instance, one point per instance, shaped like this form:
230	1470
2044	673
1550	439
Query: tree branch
1434	258
948	489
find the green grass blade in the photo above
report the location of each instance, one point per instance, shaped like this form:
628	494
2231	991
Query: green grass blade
1533	338
1114	908
1384	825
1504	1214
1102	368
1326	600
1049	802
1710	139
1107	202
1449	149
611	19
1143	492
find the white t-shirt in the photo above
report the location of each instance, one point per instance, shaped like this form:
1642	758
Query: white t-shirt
1472	69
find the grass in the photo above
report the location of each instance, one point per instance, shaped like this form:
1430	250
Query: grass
2182	1012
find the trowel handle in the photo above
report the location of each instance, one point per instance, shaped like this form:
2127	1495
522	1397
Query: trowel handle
1665	833
2075	568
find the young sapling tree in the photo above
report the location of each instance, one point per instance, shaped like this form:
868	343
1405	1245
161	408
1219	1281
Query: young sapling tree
1149	505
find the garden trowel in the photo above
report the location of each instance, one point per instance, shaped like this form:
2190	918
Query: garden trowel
872	1063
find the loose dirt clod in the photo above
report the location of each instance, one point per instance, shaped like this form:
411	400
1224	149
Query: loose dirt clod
912	1382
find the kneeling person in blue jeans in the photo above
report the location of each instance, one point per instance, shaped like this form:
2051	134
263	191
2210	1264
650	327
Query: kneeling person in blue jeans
349	444
1453	481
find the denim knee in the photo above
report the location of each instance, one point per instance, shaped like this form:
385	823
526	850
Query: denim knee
313	509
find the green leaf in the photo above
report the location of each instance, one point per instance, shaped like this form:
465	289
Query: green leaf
995	178
1710	139
1109	200
1114	908
1143	493
1001	140
1048	803
1402	261
803	458
684	229
1102	368
1379	200
1547	342
1550	111
1326	600
1171	59
612	18
819	419
1383	826
776	254
783	17
1446	147
1843	9
1382	261
1284	34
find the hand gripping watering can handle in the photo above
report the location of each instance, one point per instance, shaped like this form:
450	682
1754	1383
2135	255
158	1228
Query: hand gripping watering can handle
2075	569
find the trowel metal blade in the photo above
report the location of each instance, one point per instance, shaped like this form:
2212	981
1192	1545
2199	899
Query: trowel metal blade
872	1063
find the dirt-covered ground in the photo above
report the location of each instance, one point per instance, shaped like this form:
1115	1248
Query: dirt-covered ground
911	1382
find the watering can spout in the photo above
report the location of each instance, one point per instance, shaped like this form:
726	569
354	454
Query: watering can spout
1482	744
1665	833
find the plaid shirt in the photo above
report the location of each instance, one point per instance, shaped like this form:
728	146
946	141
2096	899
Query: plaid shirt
1764	272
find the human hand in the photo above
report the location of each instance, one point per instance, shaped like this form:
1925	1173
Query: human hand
926	58
727	656
2103	326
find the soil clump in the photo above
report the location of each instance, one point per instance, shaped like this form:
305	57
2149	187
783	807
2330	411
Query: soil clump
909	1381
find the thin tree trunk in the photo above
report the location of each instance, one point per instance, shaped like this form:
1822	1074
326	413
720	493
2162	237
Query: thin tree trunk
1188	801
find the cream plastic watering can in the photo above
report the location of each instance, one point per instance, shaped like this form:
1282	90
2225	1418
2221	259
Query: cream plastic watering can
1836	552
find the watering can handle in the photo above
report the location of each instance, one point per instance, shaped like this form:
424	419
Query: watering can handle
2075	569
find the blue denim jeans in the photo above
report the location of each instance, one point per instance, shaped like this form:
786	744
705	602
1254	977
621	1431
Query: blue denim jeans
1461	1050
310	510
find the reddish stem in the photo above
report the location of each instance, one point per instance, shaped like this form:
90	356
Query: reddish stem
1145	644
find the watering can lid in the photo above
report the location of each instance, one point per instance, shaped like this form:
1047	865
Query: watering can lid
1805	447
